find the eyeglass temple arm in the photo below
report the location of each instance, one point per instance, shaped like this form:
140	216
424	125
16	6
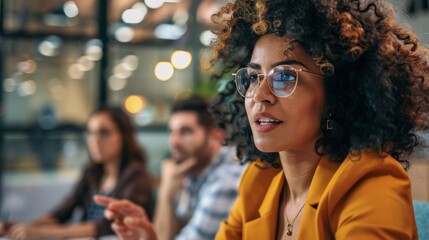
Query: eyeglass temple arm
315	74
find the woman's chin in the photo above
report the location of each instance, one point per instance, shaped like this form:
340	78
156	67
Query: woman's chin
266	147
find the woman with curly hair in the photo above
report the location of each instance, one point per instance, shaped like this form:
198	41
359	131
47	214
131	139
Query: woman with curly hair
332	93
325	101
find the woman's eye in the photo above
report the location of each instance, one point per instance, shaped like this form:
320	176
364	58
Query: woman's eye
253	77
284	77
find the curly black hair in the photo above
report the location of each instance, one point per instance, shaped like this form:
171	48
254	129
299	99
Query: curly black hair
376	72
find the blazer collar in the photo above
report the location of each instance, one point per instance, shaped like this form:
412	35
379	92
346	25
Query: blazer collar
272	197
265	227
324	172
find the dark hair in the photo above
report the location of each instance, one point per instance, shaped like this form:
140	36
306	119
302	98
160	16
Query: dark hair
198	105
376	72
131	151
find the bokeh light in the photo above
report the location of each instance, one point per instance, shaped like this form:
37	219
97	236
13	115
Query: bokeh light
85	64
75	72
121	71
134	104
27	88
130	62
154	3
164	71
70	9
135	15
124	34
93	49
181	59
116	83
50	46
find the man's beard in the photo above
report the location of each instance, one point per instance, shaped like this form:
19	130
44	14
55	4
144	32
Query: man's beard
202	153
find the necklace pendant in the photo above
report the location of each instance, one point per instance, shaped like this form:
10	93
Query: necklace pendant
289	230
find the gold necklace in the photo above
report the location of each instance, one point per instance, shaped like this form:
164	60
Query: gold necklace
290	224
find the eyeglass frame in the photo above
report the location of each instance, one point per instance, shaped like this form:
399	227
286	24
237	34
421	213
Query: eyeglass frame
264	75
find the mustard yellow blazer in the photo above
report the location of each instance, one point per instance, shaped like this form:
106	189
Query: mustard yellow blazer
363	199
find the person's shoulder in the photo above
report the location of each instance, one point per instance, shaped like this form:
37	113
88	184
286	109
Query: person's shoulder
366	191
226	164
370	164
135	168
368	176
258	174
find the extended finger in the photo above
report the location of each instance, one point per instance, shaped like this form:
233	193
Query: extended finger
125	207
102	200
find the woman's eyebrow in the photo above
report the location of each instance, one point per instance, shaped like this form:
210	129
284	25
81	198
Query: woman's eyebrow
289	62
284	62
254	66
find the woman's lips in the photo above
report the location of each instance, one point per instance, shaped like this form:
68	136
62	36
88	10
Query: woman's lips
265	122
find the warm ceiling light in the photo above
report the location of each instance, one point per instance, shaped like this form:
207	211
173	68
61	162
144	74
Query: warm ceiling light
134	104
154	3
164	71
181	59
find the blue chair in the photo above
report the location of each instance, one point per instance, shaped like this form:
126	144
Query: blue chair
421	211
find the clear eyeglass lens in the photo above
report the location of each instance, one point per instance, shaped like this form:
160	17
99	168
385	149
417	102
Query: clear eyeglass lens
282	81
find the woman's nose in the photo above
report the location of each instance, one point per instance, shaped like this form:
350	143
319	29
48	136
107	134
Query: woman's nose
262	92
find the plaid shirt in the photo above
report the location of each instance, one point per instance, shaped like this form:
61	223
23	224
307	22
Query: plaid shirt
205	201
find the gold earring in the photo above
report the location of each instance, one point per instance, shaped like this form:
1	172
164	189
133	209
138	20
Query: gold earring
328	123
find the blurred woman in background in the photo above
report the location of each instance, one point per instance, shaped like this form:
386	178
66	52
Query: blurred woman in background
117	168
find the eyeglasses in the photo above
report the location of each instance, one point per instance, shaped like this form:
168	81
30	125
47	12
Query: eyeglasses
282	80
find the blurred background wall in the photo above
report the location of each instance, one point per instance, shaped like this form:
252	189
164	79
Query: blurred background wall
60	59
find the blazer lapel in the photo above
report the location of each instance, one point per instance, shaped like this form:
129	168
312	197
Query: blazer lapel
265	227
324	172
322	176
